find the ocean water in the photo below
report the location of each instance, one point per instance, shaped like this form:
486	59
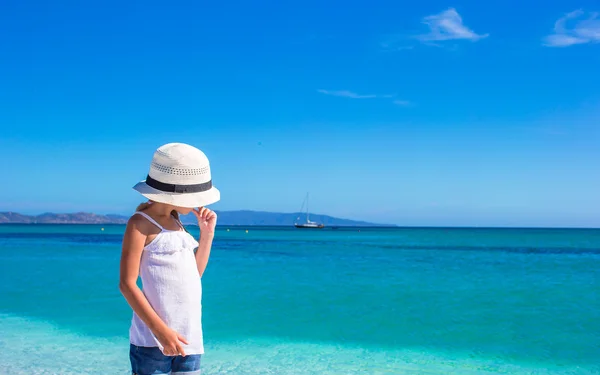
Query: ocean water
286	301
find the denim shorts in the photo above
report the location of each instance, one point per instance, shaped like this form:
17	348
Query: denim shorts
151	361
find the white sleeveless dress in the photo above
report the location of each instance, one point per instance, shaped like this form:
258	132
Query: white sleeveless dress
172	285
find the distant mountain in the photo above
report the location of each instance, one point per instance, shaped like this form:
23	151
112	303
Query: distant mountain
225	218
51	218
13	217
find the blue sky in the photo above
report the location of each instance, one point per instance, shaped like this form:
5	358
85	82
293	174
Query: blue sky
434	113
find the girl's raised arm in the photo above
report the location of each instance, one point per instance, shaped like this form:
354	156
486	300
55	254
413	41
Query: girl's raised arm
207	221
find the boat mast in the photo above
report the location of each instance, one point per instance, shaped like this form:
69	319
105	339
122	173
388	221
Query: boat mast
307	217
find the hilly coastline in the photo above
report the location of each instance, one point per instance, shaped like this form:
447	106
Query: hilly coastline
249	218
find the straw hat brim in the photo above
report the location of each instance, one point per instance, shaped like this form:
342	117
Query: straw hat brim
188	200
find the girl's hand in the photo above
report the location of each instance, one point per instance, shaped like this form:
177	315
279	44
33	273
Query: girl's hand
171	342
207	220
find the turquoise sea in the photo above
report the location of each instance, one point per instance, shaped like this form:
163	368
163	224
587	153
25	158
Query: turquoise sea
286	301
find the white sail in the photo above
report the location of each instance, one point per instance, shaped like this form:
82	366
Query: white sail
308	223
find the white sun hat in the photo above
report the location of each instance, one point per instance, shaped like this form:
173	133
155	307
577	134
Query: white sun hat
179	175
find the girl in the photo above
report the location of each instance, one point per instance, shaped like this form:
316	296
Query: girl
166	329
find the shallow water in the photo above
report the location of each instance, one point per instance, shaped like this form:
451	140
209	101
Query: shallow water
285	301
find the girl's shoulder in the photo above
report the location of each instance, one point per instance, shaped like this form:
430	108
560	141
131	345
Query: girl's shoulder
142	224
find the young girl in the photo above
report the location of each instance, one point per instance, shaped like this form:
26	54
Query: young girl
166	329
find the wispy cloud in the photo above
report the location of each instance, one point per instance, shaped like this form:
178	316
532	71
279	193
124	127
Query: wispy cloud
583	31
403	103
346	94
448	25
395	44
404	48
353	95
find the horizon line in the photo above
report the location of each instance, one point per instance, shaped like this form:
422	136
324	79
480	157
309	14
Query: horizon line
388	226
371	226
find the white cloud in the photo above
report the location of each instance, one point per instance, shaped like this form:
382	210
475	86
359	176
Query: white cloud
403	103
346	94
582	32
448	25
395	44
353	95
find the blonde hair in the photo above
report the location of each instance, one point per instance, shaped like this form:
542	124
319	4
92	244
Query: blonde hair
144	205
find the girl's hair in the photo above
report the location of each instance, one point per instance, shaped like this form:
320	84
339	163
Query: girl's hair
144	205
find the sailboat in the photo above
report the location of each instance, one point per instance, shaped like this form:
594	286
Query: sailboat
308	224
